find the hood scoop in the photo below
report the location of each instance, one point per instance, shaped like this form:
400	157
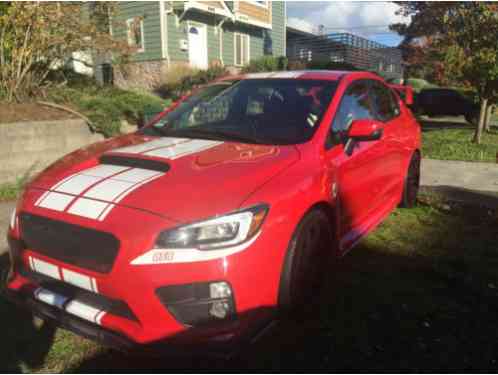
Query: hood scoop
134	162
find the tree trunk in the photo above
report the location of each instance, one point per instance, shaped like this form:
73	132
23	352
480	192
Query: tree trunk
480	126
487	121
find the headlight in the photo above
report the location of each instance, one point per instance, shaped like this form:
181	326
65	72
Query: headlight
223	231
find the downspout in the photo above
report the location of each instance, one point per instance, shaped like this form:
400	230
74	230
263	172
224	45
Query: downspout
220	31
164	16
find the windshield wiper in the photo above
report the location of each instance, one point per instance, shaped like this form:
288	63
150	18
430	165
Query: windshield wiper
214	134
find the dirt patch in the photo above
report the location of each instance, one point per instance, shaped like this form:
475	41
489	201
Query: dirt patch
30	112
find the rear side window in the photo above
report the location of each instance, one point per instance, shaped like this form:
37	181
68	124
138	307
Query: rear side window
384	103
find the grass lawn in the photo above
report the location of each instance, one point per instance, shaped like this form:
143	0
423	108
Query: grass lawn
455	144
421	292
9	192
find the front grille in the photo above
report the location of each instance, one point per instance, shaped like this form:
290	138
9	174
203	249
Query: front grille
68	243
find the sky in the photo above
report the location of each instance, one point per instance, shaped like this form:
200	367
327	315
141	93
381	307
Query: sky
364	18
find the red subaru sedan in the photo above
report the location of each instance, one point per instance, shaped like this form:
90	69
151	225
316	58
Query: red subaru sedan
199	226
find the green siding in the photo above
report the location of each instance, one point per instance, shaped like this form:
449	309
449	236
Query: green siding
228	58
256	41
152	26
259	37
177	33
278	28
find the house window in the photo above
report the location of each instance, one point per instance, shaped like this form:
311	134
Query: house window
263	4
135	30
241	45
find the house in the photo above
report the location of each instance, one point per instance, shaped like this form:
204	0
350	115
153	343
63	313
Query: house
344	49
198	34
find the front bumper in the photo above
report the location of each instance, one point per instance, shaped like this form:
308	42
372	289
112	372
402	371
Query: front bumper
253	275
117	341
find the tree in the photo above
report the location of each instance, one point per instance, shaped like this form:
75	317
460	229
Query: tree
464	33
37	37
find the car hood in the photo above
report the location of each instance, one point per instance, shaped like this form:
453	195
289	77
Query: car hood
178	178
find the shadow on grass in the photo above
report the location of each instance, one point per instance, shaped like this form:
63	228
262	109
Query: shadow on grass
386	305
483	199
420	293
22	343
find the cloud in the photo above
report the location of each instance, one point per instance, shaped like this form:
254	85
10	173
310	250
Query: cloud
301	24
361	18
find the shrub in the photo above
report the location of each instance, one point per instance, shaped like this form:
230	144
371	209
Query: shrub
297	65
418	84
177	72
176	88
107	106
267	64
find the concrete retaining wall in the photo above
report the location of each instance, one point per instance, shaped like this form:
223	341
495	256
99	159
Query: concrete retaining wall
28	147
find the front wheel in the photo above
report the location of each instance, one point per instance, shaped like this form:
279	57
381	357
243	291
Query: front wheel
412	183
307	256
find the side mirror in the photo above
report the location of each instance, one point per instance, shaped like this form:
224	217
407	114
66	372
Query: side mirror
365	130
362	131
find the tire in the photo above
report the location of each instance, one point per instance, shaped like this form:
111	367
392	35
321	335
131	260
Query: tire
412	183
472	118
308	254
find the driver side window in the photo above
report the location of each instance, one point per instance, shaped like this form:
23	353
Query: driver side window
355	105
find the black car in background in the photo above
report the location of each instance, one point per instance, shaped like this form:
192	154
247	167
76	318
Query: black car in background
436	102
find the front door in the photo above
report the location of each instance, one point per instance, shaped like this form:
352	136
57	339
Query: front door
197	47
359	176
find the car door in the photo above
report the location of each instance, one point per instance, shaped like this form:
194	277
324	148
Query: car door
358	177
386	109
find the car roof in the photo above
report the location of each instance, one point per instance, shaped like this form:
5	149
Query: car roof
329	75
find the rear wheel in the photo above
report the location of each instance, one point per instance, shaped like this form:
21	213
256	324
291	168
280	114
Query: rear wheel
412	183
308	254
472	118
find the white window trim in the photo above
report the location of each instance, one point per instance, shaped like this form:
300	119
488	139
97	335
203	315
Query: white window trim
129	21
235	49
254	2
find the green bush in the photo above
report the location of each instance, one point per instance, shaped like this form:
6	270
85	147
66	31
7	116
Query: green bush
419	84
107	106
174	90
267	64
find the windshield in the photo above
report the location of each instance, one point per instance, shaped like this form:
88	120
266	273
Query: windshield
266	111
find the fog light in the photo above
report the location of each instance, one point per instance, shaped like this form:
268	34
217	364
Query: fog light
199	303
219	290
220	309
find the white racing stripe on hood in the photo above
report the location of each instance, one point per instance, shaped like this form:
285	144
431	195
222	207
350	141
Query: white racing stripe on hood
151	145
75	184
97	202
183	149
99	189
55	201
88	208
